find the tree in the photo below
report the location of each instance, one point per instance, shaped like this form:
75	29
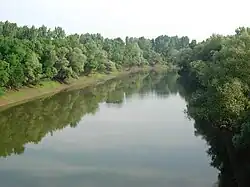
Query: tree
49	59
32	69
34	54
133	55
59	33
64	71
16	74
77	61
4	75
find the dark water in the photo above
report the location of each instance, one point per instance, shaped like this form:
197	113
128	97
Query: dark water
130	132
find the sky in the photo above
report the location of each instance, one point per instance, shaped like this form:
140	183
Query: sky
197	19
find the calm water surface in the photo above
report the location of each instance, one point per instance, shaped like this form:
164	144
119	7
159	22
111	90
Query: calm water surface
128	132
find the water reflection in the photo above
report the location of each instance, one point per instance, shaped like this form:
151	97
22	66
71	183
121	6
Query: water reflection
127	132
31	121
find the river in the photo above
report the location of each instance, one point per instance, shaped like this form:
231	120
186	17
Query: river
131	131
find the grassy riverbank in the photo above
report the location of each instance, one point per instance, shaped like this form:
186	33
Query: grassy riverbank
48	88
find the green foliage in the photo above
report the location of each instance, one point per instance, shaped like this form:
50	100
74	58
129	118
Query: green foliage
133	55
29	54
1	91
217	72
77	61
32	69
242	139
168	47
4	75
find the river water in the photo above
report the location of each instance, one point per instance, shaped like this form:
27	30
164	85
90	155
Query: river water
131	131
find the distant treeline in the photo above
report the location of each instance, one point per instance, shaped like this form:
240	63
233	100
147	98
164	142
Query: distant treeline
29	54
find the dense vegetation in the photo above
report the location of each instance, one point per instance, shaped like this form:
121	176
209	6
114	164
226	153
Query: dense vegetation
217	72
30	55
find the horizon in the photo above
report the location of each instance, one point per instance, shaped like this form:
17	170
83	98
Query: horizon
121	18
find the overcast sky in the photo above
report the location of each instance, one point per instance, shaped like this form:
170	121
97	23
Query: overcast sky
197	19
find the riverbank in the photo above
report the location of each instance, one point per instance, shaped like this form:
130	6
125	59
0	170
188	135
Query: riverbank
49	88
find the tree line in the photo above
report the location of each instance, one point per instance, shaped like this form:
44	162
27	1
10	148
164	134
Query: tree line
216	74
29	55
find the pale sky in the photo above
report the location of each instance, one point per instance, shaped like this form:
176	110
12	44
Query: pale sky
197	19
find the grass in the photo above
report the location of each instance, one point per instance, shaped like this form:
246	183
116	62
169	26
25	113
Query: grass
10	97
48	88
